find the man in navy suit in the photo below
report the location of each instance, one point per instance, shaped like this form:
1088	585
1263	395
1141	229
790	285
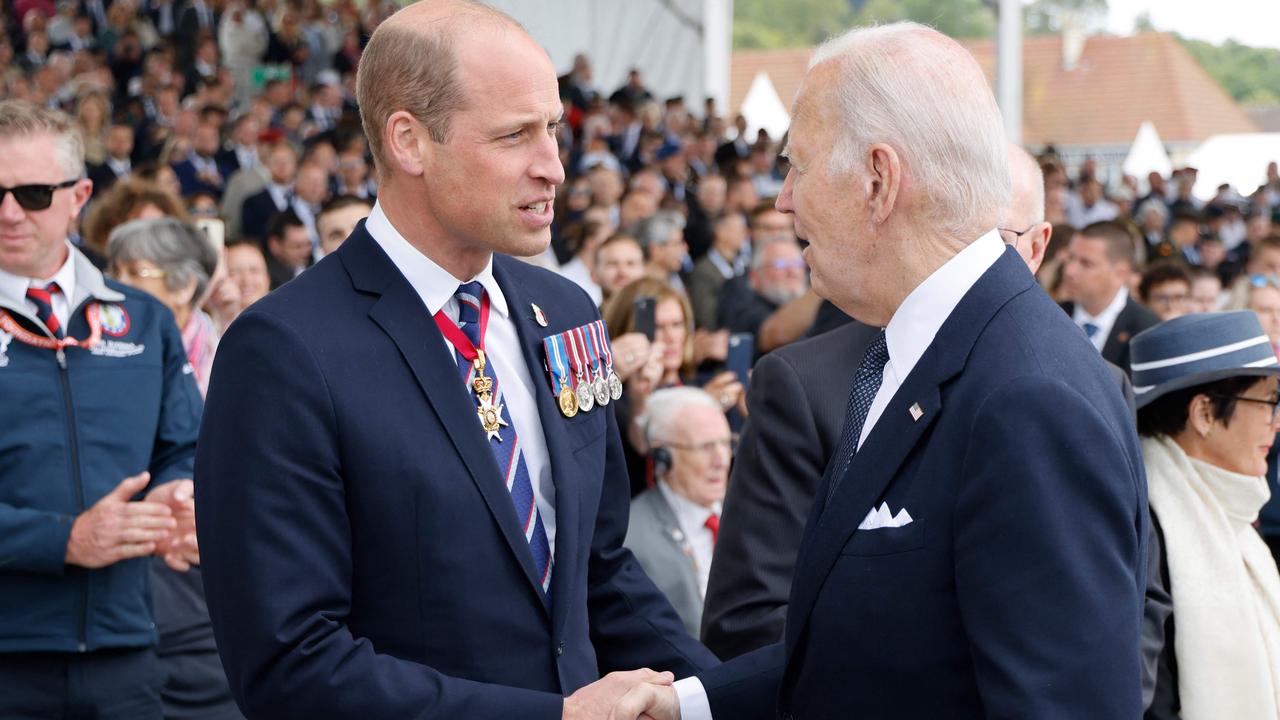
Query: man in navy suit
976	546
372	547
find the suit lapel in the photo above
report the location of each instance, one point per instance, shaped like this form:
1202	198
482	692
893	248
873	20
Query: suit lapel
895	436
401	315
1118	338
567	481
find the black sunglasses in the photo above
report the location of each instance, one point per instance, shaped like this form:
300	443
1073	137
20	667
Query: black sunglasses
35	197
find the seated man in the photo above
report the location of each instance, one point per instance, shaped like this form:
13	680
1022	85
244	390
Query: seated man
772	301
674	523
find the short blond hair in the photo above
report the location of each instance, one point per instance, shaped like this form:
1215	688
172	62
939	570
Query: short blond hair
415	69
21	119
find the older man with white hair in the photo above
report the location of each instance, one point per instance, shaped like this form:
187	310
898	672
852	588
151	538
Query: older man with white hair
675	523
963	558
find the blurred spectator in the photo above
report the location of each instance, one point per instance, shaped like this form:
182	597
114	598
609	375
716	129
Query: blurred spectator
674	524
310	190
633	93
93	115
662	237
705	207
1262	296
583	239
619	262
338	217
739	148
1206	291
670	362
1089	206
202	170
247	269
575	86
773	302
117	163
1099	261
1166	290
1152	216
353	175
723	262
134	199
277	196
288	246
175	263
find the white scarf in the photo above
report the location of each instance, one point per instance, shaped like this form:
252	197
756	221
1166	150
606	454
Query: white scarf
1225	588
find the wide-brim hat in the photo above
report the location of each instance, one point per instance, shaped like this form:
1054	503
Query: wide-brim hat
1196	349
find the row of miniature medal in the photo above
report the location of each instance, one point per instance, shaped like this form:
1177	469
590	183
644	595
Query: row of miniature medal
581	366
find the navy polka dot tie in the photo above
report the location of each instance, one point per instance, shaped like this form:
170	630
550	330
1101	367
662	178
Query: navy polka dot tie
865	386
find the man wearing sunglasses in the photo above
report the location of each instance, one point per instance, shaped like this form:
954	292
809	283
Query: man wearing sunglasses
99	406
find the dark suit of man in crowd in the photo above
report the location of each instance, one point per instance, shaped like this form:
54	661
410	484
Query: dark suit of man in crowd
911	596
382	539
1096	277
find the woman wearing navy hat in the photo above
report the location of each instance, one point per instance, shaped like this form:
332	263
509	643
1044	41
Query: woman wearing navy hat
1206	390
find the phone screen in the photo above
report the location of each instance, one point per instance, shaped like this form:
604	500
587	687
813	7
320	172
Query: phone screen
644	312
215	231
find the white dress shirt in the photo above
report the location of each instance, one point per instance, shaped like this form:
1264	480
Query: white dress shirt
692	519
1104	320
909	333
14	289
436	287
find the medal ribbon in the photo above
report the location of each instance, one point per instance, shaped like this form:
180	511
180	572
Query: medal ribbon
556	354
92	314
576	356
459	339
598	329
589	340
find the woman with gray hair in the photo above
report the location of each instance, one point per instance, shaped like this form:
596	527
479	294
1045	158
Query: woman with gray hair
174	262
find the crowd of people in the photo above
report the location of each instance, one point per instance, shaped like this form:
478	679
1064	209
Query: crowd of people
220	155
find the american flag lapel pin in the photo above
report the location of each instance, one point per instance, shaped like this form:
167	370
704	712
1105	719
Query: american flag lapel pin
916	411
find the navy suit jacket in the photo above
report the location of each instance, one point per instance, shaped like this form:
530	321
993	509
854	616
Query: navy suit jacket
191	183
361	552
256	214
1017	590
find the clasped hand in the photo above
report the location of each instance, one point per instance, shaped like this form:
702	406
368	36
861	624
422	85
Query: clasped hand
627	695
117	528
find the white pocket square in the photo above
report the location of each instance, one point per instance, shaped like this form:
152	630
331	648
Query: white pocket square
880	517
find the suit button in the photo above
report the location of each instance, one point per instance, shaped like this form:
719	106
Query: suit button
560	649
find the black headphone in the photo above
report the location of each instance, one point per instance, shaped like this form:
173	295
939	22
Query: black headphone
661	459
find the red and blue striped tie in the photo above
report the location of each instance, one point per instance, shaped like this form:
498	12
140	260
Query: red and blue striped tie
43	299
507	450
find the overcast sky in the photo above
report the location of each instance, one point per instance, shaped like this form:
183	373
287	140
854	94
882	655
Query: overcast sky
1252	22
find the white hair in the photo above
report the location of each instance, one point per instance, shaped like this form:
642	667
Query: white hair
1028	190
920	92
664	406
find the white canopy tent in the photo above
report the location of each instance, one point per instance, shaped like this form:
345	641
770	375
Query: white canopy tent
681	47
1239	159
1147	154
764	109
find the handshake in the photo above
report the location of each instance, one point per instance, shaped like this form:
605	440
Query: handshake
626	695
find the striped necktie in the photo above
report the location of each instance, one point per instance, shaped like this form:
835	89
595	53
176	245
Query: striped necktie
506	448
43	299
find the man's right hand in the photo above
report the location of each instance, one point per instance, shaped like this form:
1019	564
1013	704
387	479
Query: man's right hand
595	701
648	702
116	529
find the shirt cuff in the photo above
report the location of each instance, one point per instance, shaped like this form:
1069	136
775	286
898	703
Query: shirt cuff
694	704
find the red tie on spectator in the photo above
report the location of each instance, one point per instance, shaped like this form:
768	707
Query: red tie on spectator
713	524
43	299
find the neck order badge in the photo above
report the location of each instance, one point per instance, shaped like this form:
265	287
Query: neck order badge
490	413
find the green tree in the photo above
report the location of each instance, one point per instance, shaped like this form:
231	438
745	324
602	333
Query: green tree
957	18
793	23
1050	16
1250	75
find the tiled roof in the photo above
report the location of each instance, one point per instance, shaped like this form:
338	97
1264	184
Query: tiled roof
1117	83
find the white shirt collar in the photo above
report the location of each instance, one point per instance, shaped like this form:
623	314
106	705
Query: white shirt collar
917	320
14	287
1108	316
434	284
690	515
